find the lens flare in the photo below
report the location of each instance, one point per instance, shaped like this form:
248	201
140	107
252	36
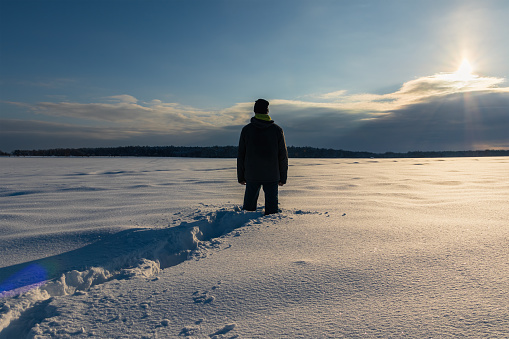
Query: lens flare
24	280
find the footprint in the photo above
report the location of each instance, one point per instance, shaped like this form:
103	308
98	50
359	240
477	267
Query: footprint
205	297
189	331
219	333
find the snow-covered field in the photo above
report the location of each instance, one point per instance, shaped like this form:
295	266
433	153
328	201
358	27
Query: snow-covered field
158	248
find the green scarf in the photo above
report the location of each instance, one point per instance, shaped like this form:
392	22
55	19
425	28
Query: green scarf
261	116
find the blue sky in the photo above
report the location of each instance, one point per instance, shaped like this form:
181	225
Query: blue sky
357	75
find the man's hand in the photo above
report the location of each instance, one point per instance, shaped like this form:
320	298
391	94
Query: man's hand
280	183
243	182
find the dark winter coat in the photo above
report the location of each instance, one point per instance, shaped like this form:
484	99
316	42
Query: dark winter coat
262	155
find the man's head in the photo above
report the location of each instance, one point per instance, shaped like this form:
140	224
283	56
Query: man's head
261	106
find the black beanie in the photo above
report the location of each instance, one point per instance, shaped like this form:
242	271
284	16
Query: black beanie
261	106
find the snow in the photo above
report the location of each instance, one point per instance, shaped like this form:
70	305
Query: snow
159	248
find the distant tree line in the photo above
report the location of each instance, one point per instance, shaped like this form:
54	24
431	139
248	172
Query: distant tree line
231	152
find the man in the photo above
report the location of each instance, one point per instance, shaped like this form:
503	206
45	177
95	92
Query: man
262	159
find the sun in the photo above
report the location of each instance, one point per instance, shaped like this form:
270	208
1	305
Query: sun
464	72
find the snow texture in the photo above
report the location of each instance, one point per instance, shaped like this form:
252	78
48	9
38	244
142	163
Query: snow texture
159	248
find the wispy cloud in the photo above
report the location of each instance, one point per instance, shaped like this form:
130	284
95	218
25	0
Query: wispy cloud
412	92
442	111
127	111
123	98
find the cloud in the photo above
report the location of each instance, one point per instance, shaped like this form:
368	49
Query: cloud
122	120
446	111
22	134
32	134
412	92
327	96
126	111
440	112
124	98
460	121
425	88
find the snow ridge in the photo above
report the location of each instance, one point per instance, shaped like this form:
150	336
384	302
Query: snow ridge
136	253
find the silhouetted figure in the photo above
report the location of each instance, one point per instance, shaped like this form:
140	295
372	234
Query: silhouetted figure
262	159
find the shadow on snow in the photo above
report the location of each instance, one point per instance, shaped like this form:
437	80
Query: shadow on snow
133	252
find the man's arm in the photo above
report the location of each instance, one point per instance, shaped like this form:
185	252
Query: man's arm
283	159
241	156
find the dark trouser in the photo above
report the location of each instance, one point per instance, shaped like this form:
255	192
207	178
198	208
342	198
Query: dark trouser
253	190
